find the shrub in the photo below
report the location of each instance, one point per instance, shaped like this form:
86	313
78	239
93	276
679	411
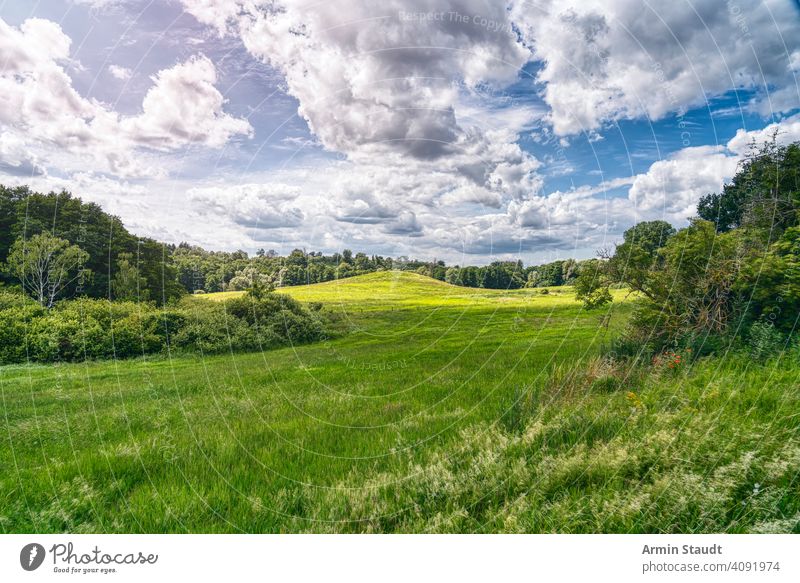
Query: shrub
134	335
96	329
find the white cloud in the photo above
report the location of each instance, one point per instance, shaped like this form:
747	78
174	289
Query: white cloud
405	224
422	109
16	159
183	107
785	132
40	109
121	73
218	14
259	206
391	87
672	187
621	59
391	84
402	91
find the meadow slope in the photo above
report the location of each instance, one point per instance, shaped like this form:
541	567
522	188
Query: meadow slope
429	408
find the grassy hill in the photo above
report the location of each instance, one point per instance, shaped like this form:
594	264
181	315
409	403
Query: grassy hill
395	288
433	408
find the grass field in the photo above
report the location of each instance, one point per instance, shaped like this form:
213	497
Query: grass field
430	408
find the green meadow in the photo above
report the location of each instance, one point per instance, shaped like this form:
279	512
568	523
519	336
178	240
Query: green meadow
428	408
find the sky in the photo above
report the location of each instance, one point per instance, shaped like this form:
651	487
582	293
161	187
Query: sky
462	130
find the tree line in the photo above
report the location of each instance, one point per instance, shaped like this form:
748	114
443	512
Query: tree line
56	246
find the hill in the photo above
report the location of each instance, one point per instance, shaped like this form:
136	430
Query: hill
403	288
439	409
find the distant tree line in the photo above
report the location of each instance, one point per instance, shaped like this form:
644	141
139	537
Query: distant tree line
212	271
57	246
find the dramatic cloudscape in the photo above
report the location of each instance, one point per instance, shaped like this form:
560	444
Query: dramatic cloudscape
466	130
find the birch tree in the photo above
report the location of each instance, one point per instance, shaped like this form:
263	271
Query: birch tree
46	266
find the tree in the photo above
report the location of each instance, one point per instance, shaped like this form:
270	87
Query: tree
547	275
689	291
764	193
101	235
649	235
470	276
297	258
772	282
343	270
638	255
128	283
591	286
569	271
156	265
46	265
250	278
694	287
362	262
451	276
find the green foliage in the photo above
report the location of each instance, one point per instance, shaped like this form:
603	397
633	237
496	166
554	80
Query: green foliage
717	275
694	285
547	275
639	255
451	276
764	194
771	282
88	329
128	284
165	272
46	266
26	214
650	236
155	264
591	286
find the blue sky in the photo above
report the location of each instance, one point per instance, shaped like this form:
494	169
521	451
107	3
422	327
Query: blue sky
467	130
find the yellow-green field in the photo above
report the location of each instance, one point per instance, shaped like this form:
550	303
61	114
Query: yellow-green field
429	408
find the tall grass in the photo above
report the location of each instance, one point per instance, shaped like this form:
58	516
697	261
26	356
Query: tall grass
434	409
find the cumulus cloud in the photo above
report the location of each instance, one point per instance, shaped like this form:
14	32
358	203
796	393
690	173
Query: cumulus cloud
496	235
397	88
396	85
621	59
183	107
16	159
383	76
219	14
259	206
422	107
672	187
784	131
405	224
40	108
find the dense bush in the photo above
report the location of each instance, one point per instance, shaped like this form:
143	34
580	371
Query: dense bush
94	329
731	279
